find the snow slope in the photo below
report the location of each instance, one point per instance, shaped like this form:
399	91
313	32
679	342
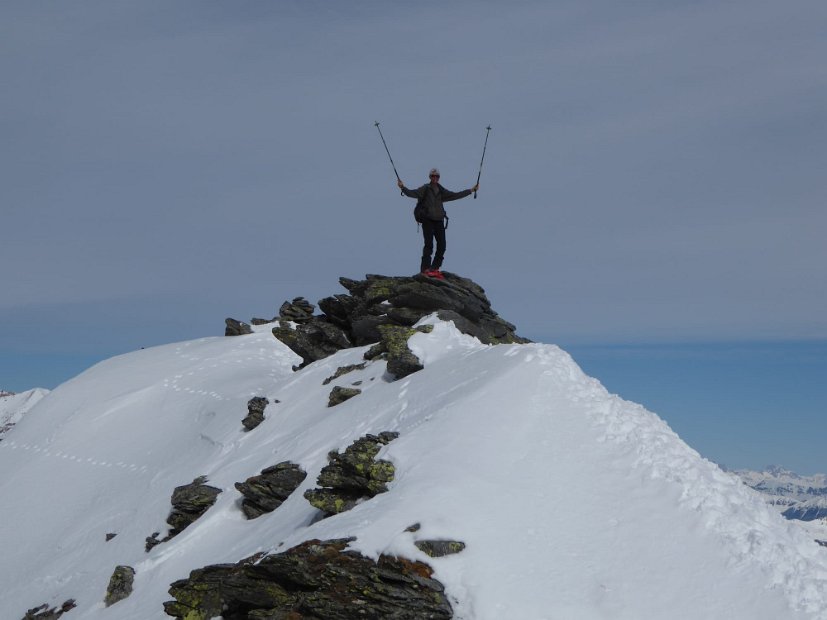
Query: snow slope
14	406
573	503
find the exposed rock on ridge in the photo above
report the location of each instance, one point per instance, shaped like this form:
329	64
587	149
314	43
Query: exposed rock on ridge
381	302
317	579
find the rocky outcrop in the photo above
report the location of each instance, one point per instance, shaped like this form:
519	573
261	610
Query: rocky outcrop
44	612
236	328
299	310
313	340
189	502
353	475
267	491
339	394
357	318
120	585
255	412
317	579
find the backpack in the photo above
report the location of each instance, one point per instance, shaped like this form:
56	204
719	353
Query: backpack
419	211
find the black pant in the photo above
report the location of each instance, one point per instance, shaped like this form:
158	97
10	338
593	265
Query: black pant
433	229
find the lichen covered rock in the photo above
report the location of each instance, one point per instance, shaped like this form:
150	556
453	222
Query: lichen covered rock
401	360
267	491
440	548
120	585
314	580
353	475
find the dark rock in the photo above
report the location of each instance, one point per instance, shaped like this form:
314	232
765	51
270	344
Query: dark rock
44	612
120	585
314	340
153	541
255	412
255	321
352	476
339	308
464	325
338	395
189	502
407	316
343	370
110	536
413	528
823	543
425	295
299	310
376	351
314	580
358	318
366	329
236	328
440	548
267	491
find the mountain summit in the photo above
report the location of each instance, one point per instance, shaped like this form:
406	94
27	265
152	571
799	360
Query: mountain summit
392	457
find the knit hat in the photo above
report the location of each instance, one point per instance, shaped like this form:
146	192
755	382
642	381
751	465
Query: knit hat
434	171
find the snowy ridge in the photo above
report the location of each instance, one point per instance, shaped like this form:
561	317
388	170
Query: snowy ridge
722	500
490	438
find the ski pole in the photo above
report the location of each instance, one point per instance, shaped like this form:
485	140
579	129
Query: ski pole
388	152
487	131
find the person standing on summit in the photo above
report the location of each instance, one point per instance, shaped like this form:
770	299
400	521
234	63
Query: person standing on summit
431	196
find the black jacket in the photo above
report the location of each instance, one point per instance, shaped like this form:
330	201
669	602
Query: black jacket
433	199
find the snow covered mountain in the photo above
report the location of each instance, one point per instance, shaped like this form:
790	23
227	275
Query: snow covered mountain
548	496
14	406
798	497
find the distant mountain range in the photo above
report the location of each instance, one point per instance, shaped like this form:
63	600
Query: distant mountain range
797	497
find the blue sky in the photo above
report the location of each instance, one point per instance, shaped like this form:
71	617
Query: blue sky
654	176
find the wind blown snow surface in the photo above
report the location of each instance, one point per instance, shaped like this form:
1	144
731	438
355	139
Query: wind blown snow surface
573	503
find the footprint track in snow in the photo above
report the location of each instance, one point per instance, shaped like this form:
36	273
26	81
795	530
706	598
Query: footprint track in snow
82	460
